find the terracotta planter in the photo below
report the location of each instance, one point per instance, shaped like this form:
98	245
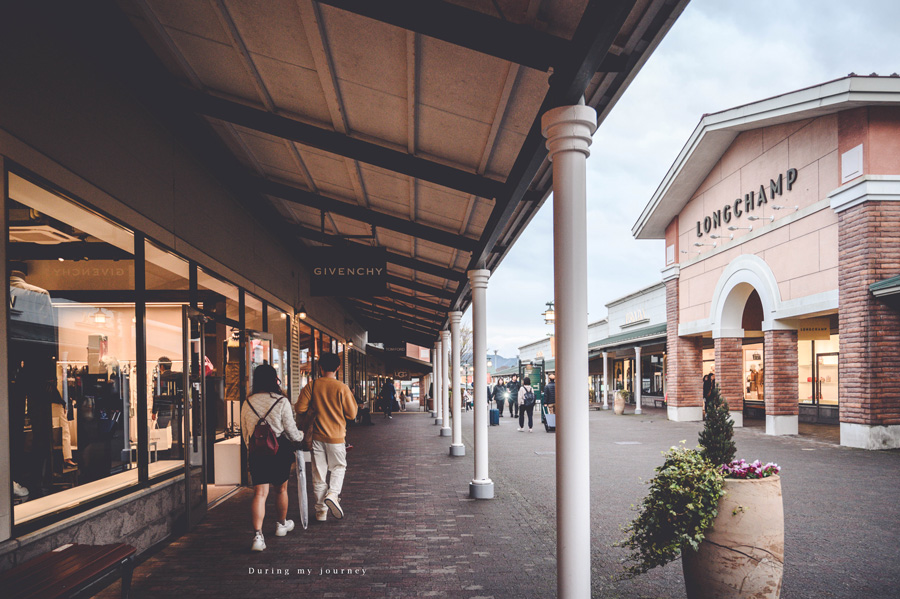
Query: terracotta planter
742	555
619	403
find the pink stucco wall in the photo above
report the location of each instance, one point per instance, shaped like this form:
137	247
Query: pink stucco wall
803	254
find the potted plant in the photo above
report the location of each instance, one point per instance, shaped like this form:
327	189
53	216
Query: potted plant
723	516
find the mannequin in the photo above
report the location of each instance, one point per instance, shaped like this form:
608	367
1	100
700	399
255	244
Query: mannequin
33	347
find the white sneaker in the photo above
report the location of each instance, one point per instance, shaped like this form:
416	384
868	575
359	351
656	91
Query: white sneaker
322	516
19	490
259	542
283	529
521	429
531	430
334	505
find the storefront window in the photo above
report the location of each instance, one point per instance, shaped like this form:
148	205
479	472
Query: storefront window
72	352
652	374
818	371
218	297
754	372
277	327
167	277
305	354
253	313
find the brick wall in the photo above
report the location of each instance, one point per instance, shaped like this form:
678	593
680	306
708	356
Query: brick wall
780	376
869	250
730	371
684	358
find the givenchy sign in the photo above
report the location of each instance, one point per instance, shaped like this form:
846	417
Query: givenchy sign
343	272
746	204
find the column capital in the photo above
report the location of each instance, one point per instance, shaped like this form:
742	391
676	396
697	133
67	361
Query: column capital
671	273
455	317
437	345
569	129
605	354
479	278
445	336
637	350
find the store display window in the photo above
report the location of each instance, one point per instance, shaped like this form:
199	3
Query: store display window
754	372
277	326
72	352
817	371
218	297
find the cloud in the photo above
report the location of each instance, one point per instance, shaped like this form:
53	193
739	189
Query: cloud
718	55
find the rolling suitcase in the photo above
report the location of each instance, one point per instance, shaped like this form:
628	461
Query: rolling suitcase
495	417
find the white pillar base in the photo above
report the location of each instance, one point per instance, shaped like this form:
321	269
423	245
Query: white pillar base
737	418
686	414
438	421
605	406
445	432
457	450
867	436
433	414
638	411
782	425
481	489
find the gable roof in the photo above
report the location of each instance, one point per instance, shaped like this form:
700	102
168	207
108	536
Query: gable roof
716	132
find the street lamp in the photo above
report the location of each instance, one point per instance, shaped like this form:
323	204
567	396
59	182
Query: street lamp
549	314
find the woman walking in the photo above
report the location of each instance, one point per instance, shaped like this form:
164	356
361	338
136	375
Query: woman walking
269	403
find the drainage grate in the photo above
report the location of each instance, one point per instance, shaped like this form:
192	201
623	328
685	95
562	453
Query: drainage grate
627	442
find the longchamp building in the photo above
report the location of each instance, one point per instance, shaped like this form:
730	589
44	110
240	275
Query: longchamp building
781	222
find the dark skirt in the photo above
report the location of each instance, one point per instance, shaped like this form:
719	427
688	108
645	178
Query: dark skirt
272	470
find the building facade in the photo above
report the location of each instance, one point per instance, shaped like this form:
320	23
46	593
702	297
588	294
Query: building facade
782	227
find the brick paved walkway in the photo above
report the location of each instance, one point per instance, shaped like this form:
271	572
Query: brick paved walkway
411	526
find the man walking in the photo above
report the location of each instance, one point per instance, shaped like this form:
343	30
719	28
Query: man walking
330	403
513	398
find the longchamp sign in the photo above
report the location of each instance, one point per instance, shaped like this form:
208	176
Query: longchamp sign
339	272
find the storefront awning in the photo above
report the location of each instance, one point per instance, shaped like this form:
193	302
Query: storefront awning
631	337
886	287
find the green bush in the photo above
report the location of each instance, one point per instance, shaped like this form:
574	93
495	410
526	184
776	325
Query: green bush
682	503
717	437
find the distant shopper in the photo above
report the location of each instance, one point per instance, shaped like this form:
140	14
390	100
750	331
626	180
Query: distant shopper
513	387
268	403
388	396
709	382
549	398
526	405
499	396
330	403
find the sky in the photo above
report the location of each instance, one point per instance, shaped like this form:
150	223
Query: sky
719	54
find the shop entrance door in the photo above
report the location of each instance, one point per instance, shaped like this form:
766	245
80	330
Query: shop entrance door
259	351
195	485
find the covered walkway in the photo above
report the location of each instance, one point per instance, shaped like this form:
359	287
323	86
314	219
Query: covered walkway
412	527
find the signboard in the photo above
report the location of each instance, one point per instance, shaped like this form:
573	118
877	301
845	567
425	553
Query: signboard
535	373
814	329
401	375
344	272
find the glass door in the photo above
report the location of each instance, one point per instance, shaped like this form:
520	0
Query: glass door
194	422
259	351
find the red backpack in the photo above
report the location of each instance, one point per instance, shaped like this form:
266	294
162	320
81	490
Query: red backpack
263	440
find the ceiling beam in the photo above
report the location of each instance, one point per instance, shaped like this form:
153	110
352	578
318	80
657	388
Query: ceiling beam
362	214
416	301
395	306
597	30
460	26
518	43
412	324
338	143
401	333
417	286
405	261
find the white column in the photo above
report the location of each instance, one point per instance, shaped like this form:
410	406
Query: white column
445	383
605	382
438	382
456	447
481	486
637	380
433	381
568	130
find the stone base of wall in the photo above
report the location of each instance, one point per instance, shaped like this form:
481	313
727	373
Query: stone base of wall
782	425
142	519
864	436
737	418
685	414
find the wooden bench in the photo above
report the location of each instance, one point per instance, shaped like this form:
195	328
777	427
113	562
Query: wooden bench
69	571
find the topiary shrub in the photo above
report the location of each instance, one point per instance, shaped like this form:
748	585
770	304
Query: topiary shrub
682	503
717	436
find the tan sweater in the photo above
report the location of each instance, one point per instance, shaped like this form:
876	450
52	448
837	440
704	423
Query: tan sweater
334	404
